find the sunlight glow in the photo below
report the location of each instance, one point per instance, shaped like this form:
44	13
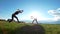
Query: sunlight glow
37	15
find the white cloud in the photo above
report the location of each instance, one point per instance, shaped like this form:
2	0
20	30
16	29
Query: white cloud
55	13
58	9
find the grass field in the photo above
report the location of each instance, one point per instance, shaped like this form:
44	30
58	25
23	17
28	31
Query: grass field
8	28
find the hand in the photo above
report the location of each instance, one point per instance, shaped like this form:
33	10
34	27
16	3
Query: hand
21	11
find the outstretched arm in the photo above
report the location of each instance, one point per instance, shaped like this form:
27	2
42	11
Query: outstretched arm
20	11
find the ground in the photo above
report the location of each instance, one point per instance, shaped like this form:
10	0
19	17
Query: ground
11	28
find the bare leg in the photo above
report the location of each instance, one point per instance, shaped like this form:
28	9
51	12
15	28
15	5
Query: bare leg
16	18
36	21
32	21
12	18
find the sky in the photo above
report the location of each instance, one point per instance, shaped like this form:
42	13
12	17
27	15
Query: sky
40	9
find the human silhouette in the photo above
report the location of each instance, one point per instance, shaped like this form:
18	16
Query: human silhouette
34	20
16	13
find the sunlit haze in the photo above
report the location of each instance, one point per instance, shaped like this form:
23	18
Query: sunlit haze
40	9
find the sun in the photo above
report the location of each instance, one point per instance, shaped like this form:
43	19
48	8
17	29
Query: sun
36	15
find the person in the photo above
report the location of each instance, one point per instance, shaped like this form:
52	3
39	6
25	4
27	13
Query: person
34	20
16	13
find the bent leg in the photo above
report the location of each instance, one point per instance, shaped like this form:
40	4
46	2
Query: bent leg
12	18
36	21
17	18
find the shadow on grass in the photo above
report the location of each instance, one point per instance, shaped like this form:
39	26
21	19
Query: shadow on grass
34	29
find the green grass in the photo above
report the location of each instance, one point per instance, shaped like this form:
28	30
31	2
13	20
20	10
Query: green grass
6	27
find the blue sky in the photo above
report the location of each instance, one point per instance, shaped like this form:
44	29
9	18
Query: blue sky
7	7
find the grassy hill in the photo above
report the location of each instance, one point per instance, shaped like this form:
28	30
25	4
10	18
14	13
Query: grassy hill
9	28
